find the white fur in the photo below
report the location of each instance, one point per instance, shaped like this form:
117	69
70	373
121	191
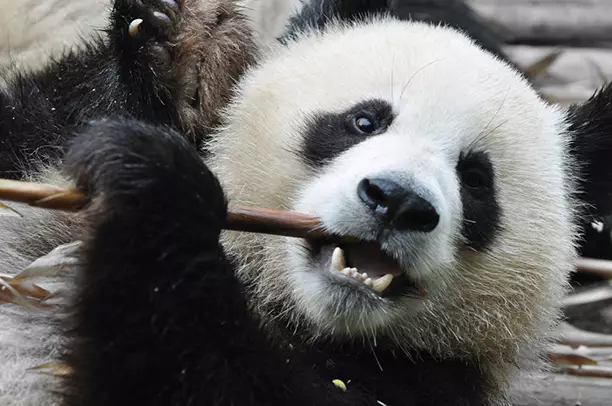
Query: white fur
448	95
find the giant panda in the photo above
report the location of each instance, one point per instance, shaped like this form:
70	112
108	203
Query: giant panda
464	187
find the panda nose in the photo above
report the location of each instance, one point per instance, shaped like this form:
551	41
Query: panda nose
397	206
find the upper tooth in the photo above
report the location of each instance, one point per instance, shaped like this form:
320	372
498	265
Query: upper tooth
382	283
337	261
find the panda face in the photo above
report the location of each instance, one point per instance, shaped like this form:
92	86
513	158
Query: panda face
440	159
416	200
413	200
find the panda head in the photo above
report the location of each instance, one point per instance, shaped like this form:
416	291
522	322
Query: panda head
456	176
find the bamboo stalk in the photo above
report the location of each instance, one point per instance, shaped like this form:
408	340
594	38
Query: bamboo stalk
240	218
41	195
600	267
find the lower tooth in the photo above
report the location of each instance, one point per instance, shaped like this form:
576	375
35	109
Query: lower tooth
382	283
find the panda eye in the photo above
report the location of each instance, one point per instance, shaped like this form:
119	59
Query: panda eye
474	178
363	124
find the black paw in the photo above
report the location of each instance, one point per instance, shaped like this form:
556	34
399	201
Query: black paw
137	172
156	19
148	25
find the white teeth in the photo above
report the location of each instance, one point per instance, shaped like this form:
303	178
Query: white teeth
382	283
337	262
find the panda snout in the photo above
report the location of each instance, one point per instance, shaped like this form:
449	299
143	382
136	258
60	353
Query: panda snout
396	206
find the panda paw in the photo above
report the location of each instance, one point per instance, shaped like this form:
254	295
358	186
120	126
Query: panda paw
146	179
149	27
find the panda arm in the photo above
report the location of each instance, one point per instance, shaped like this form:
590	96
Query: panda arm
115	75
160	318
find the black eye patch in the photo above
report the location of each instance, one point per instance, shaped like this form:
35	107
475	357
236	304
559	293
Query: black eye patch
330	134
481	211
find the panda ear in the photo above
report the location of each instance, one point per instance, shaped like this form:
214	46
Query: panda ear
591	147
457	14
318	13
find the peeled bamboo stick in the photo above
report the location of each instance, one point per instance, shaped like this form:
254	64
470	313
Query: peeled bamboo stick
240	218
41	195
600	267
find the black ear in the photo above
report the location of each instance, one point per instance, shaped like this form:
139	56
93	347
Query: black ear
591	127
318	13
455	13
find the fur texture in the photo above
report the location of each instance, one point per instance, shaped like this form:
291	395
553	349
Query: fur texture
521	277
178	71
171	311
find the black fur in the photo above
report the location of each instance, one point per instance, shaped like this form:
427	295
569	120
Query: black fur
591	125
330	134
481	211
161	318
318	13
118	76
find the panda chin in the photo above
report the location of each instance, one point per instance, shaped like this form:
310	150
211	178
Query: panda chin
365	264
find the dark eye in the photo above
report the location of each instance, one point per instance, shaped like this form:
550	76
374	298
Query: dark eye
364	124
474	178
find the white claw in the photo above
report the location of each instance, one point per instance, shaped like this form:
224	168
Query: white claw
382	283
337	262
134	28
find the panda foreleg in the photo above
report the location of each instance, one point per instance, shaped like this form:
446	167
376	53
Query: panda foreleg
121	74
160	317
145	37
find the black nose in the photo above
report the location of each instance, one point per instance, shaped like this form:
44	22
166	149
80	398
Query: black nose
397	206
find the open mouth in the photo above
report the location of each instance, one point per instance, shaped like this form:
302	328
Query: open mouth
366	264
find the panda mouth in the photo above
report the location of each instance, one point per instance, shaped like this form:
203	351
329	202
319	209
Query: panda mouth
367	265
